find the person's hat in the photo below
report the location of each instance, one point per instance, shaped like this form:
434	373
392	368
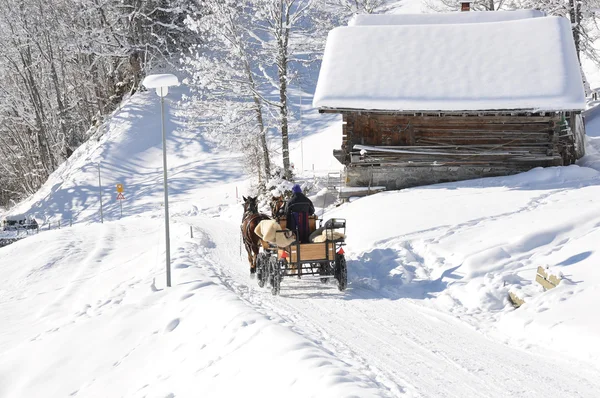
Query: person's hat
296	189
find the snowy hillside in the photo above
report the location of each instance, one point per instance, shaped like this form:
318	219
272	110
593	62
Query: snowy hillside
86	313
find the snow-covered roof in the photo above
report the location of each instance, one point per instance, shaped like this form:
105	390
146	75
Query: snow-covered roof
529	64
443	18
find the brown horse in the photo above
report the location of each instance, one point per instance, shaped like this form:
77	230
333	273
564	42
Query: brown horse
250	220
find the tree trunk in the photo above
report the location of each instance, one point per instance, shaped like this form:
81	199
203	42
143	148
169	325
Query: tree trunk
283	121
259	120
576	27
282	68
263	143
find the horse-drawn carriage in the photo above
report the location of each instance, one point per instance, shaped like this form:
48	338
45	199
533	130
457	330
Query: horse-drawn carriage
323	257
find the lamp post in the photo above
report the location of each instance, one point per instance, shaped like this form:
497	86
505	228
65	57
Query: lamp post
162	83
100	186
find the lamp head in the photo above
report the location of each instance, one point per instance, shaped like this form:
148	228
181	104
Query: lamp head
161	83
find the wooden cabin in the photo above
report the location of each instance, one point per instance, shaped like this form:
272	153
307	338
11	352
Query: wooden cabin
431	103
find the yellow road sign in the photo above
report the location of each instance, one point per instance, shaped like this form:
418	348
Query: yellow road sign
120	188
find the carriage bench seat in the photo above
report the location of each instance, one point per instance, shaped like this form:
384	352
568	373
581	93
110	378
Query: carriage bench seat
312	223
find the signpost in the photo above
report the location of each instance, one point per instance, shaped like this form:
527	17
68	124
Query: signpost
120	197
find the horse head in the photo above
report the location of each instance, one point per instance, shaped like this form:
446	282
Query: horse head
250	205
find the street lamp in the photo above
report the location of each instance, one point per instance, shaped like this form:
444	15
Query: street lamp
162	83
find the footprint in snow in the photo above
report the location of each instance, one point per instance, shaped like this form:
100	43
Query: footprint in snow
172	325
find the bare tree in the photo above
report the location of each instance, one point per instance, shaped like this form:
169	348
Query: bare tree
65	65
288	31
224	72
248	58
352	7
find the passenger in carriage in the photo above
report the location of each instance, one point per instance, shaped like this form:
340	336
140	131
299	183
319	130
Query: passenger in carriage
297	210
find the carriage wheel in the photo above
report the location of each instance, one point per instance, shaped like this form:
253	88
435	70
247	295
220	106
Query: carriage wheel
323	271
271	268
341	272
276	267
262	263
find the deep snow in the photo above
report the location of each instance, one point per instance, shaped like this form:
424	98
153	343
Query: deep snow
523	64
85	311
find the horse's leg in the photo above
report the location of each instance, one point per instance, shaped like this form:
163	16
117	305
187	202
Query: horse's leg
250	259
255	250
248	247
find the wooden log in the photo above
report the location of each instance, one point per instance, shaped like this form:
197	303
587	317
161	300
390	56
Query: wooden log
484	134
440	156
457	119
462	148
513	114
500	128
488	136
525	163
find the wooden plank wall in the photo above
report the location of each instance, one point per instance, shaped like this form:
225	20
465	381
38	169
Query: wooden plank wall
533	140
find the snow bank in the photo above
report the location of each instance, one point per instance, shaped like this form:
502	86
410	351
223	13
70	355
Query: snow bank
461	247
85	311
443	18
89	316
527	64
592	121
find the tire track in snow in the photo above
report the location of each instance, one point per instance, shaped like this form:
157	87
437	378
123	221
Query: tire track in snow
254	296
407	349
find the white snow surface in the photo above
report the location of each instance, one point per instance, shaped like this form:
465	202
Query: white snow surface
443	18
528	64
85	311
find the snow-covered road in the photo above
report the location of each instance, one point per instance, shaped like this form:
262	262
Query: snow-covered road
402	345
